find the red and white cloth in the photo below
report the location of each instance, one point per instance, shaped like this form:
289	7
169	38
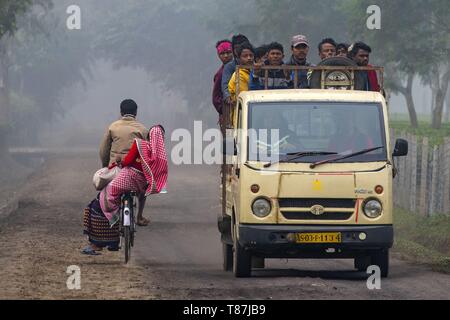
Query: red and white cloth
152	156
129	179
154	160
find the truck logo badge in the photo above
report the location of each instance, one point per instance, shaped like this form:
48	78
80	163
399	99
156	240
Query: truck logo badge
317	210
317	186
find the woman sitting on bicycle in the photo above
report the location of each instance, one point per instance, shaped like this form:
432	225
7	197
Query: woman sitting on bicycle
144	170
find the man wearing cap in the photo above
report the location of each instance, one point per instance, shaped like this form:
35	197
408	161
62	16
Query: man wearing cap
300	50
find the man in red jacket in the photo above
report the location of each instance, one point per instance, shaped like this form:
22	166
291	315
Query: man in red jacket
225	54
360	53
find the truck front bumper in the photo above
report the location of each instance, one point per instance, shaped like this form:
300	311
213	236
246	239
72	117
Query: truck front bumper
276	241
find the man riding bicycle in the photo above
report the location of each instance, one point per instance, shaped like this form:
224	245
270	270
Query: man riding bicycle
118	140
144	171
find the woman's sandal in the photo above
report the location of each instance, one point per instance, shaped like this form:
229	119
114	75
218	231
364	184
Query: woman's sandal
89	251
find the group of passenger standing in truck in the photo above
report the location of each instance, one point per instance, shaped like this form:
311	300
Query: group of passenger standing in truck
239	51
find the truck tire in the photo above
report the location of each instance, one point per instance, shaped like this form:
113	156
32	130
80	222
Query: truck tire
362	263
315	81
242	259
227	251
380	258
258	263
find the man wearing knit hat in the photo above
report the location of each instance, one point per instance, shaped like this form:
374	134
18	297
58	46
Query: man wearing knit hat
225	54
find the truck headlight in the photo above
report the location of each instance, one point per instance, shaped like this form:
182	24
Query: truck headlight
373	208
261	207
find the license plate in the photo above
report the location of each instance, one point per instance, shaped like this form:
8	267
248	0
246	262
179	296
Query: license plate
319	237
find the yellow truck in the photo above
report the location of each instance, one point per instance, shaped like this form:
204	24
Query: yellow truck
309	175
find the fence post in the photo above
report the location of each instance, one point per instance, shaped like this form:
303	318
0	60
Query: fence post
434	181
446	175
413	170
441	177
423	179
404	173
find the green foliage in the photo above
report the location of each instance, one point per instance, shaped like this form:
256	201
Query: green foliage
46	58
9	11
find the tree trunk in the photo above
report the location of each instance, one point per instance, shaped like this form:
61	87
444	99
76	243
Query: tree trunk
407	93
447	110
440	100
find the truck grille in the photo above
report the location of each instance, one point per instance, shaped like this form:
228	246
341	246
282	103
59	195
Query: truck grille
304	204
310	216
308	203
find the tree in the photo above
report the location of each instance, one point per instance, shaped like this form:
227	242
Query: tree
414	42
438	74
10	12
403	83
400	45
167	40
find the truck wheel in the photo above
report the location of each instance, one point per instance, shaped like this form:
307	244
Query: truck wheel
258	263
227	251
242	260
381	259
362	263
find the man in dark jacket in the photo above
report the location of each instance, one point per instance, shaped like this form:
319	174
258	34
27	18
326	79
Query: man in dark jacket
300	50
277	78
360	53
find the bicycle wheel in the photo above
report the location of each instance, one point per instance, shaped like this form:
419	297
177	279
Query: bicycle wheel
127	243
132	222
132	231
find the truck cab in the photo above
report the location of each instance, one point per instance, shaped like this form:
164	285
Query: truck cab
309	175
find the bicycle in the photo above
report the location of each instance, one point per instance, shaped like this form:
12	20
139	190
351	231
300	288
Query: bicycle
127	223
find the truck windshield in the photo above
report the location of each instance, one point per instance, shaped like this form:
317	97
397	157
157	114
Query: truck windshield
317	129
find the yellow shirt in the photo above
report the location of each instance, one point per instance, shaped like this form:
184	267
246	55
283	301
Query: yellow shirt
244	79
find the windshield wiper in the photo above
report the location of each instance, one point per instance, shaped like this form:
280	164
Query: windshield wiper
313	165
297	155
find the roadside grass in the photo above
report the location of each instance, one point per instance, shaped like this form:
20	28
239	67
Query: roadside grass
423	240
435	137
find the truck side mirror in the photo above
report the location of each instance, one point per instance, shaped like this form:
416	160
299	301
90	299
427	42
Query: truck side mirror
401	148
229	147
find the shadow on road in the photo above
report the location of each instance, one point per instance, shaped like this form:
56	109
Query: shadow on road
322	274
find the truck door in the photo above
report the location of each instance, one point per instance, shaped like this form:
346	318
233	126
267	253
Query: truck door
236	165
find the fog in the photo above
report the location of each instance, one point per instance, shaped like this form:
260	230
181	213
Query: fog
95	105
67	84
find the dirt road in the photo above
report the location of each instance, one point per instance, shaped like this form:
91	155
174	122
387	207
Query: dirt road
177	257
